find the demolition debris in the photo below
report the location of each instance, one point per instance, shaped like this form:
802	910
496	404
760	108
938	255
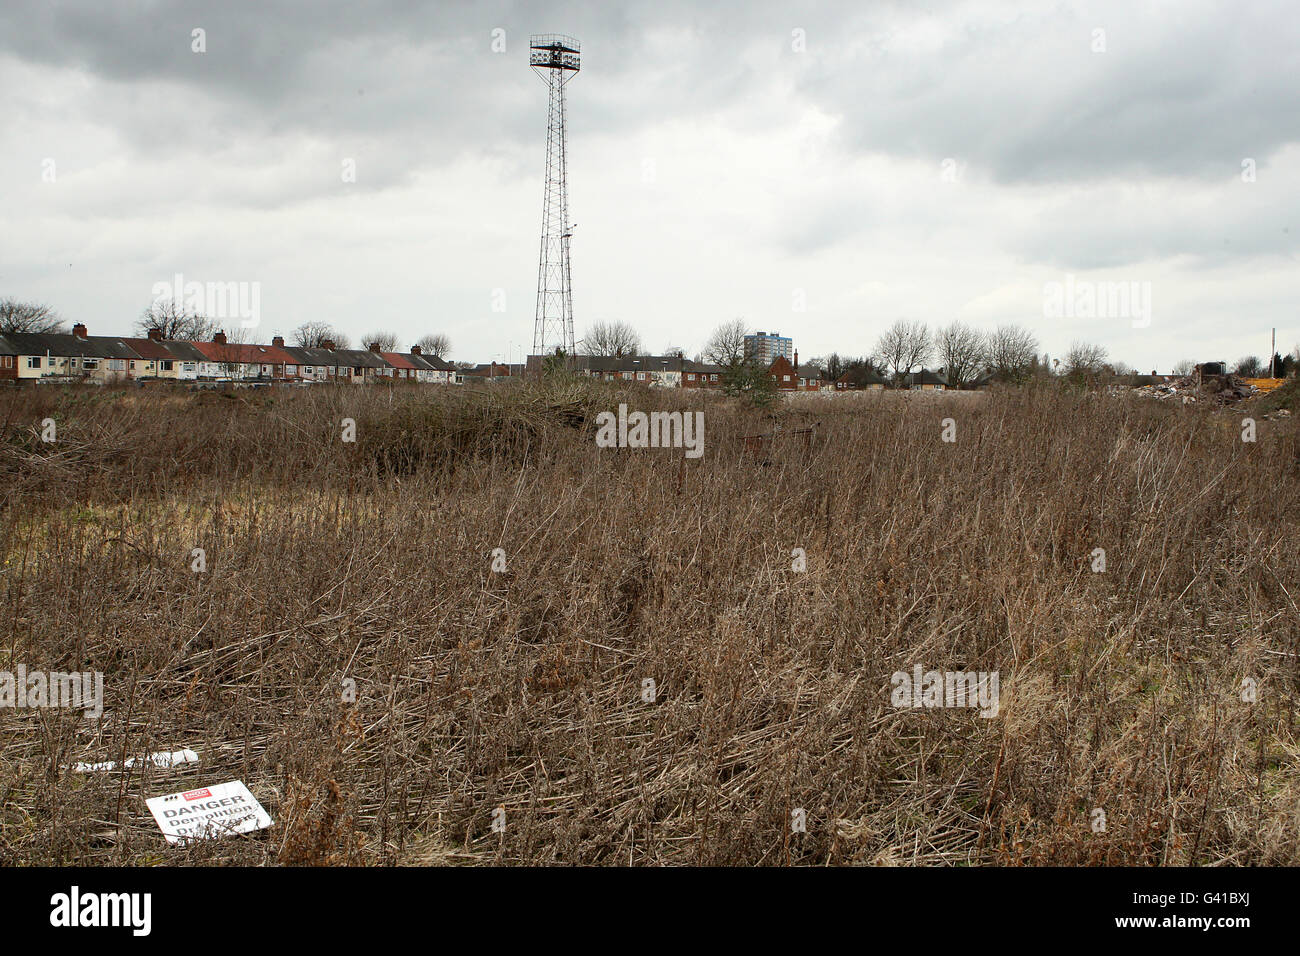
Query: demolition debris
1201	386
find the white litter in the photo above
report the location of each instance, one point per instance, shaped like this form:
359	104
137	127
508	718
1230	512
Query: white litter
160	759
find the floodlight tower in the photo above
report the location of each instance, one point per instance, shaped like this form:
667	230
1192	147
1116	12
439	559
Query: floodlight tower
555	59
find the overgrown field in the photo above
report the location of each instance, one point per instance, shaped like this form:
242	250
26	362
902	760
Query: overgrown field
525	689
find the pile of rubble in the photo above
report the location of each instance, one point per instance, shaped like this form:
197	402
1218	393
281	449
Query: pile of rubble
1220	389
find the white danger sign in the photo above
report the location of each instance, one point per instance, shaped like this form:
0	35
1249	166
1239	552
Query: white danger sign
208	812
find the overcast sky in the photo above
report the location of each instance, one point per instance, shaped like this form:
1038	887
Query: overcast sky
820	169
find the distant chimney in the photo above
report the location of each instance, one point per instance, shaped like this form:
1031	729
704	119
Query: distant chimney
796	358
79	330
327	344
277	341
219	338
374	346
416	350
155	334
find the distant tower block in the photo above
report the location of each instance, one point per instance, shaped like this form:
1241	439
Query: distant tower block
555	59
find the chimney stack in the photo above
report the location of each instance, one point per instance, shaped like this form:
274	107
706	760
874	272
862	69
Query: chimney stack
155	334
219	338
374	347
796	359
278	341
416	350
79	330
327	344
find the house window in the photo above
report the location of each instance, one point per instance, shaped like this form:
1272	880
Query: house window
308	369
785	378
116	365
187	366
33	361
713	377
640	376
690	376
166	365
291	370
90	364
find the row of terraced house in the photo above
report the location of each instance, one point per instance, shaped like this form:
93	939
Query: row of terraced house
76	356
676	371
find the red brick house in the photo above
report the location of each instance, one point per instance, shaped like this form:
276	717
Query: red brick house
702	375
794	378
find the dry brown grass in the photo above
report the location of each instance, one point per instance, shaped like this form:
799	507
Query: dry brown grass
522	690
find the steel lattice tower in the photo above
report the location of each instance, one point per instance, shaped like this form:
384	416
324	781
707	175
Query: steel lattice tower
555	59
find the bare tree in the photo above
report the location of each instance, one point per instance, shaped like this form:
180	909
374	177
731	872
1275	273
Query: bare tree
311	335
18	316
832	365
387	341
611	338
1184	368
1085	361
1248	367
175	321
726	346
962	351
437	345
233	355
903	346
1012	351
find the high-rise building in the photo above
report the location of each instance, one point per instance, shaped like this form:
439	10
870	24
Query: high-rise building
764	347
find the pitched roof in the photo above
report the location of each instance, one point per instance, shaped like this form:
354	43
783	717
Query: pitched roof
149	349
361	358
926	377
398	360
66	345
311	356
114	347
183	351
235	352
